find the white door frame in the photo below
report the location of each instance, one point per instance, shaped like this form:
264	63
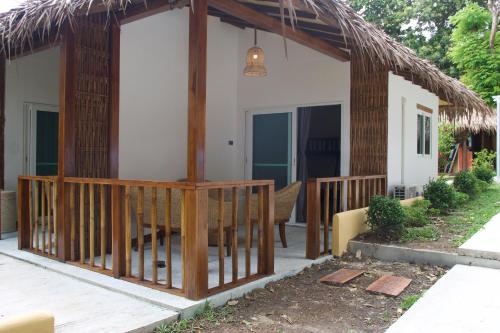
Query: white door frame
29	128
249	137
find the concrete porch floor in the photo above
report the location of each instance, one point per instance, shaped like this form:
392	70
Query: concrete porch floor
77	282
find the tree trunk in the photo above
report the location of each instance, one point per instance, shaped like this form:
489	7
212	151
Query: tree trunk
494	7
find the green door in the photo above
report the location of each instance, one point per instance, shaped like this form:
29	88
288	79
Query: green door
272	148
47	124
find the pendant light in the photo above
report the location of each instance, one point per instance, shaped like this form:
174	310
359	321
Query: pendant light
255	60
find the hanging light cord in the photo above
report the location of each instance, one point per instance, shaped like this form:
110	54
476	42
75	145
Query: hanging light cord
255	36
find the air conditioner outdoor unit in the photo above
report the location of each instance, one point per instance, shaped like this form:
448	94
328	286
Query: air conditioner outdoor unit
403	192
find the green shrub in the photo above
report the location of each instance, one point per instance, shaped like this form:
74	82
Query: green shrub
484	157
417	214
440	194
466	182
484	172
461	198
427	233
386	217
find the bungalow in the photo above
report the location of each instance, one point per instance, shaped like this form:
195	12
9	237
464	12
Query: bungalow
171	121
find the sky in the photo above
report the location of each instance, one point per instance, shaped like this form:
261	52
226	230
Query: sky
6	5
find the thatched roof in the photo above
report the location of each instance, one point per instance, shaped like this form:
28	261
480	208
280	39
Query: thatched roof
473	123
39	19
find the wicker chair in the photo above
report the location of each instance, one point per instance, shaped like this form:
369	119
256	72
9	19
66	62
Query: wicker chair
284	201
213	213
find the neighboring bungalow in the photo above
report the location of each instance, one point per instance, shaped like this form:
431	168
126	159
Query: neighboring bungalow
473	131
101	93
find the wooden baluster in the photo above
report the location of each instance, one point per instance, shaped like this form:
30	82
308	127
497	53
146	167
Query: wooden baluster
234	228
260	233
168	238
82	223
342	205
220	238
379	186
335	197
91	226
183	238
358	190
54	216
49	212
350	198
102	196
37	198
369	190
248	230
128	234
30	204
72	221
154	241
43	215
140	231
326	218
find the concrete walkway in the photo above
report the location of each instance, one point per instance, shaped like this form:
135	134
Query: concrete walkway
76	305
485	243
466	299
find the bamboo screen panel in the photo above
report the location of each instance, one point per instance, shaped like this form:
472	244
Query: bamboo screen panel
92	96
369	117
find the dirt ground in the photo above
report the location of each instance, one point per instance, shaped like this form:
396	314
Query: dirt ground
303	304
443	243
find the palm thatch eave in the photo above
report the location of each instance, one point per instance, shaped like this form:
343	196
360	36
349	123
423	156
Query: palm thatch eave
42	19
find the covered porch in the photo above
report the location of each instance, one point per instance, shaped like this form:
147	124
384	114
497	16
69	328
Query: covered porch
197	236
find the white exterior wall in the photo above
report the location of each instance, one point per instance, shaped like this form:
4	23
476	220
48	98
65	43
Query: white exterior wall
306	78
153	94
153	98
404	165
32	78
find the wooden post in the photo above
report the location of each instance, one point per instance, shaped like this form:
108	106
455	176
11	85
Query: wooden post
197	77
2	131
267	256
66	148
118	231
195	254
313	219
23	237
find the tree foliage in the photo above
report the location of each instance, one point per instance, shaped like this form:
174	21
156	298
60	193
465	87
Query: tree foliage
471	51
423	25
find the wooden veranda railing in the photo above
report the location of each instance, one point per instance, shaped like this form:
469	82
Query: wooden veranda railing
152	233
329	196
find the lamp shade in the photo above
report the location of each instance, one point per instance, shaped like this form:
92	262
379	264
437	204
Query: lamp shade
255	63
255	60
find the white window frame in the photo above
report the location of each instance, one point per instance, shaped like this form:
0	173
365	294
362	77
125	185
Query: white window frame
426	113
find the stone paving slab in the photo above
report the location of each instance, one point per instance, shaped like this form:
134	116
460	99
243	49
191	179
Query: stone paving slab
485	243
77	306
466	299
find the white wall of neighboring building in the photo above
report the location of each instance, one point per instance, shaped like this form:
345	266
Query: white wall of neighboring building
33	78
153	94
404	165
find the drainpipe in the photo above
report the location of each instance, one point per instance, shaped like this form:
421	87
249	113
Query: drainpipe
497	99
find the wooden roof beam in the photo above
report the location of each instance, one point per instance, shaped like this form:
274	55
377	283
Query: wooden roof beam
153	7
266	22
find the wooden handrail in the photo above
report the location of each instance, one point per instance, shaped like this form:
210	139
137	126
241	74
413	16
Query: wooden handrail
349	192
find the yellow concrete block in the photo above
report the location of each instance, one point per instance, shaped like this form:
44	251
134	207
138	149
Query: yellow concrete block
41	322
348	225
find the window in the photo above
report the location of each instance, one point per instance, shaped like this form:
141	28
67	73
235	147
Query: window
424	128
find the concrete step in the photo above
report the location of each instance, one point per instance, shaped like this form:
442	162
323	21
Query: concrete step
466	299
485	243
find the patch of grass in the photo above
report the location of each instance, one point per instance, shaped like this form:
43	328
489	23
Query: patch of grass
408	301
208	316
427	233
476	212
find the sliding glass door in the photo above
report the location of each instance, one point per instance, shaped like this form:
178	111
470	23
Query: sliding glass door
270	147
